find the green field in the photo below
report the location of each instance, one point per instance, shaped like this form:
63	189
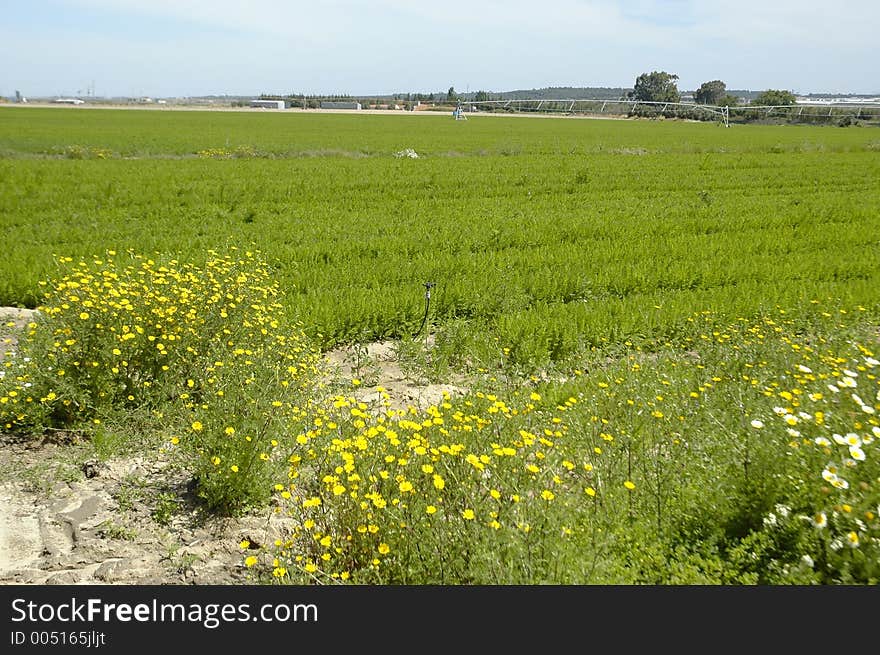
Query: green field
668	331
549	234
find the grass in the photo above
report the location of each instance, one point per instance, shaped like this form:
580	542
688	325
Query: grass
547	235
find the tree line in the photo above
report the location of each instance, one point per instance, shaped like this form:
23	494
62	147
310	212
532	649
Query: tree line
660	86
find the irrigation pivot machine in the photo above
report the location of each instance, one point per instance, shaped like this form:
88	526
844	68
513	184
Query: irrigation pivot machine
805	112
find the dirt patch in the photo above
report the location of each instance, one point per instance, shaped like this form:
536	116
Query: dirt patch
131	520
12	321
377	366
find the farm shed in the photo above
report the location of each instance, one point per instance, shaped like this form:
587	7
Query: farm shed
339	104
268	104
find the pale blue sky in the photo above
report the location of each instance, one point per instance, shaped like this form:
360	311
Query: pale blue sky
199	47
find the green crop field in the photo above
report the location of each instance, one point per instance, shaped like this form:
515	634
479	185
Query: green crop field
546	233
677	323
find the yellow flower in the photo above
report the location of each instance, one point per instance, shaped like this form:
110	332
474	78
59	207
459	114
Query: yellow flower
548	495
590	491
197	425
250	561
430	509
244	544
405	486
468	515
215	460
439	482
384	549
229	431
629	485
234	468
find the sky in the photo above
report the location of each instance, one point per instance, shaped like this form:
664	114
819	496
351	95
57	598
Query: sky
178	48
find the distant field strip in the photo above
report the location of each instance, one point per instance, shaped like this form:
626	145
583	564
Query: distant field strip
547	234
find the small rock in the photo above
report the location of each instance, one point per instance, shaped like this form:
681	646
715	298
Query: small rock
111	570
91	468
63	578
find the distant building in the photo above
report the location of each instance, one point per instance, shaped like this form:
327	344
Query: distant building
268	104
339	104
69	101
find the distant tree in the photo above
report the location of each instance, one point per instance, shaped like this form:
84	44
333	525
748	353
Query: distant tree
711	93
451	95
774	98
729	100
480	96
657	86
